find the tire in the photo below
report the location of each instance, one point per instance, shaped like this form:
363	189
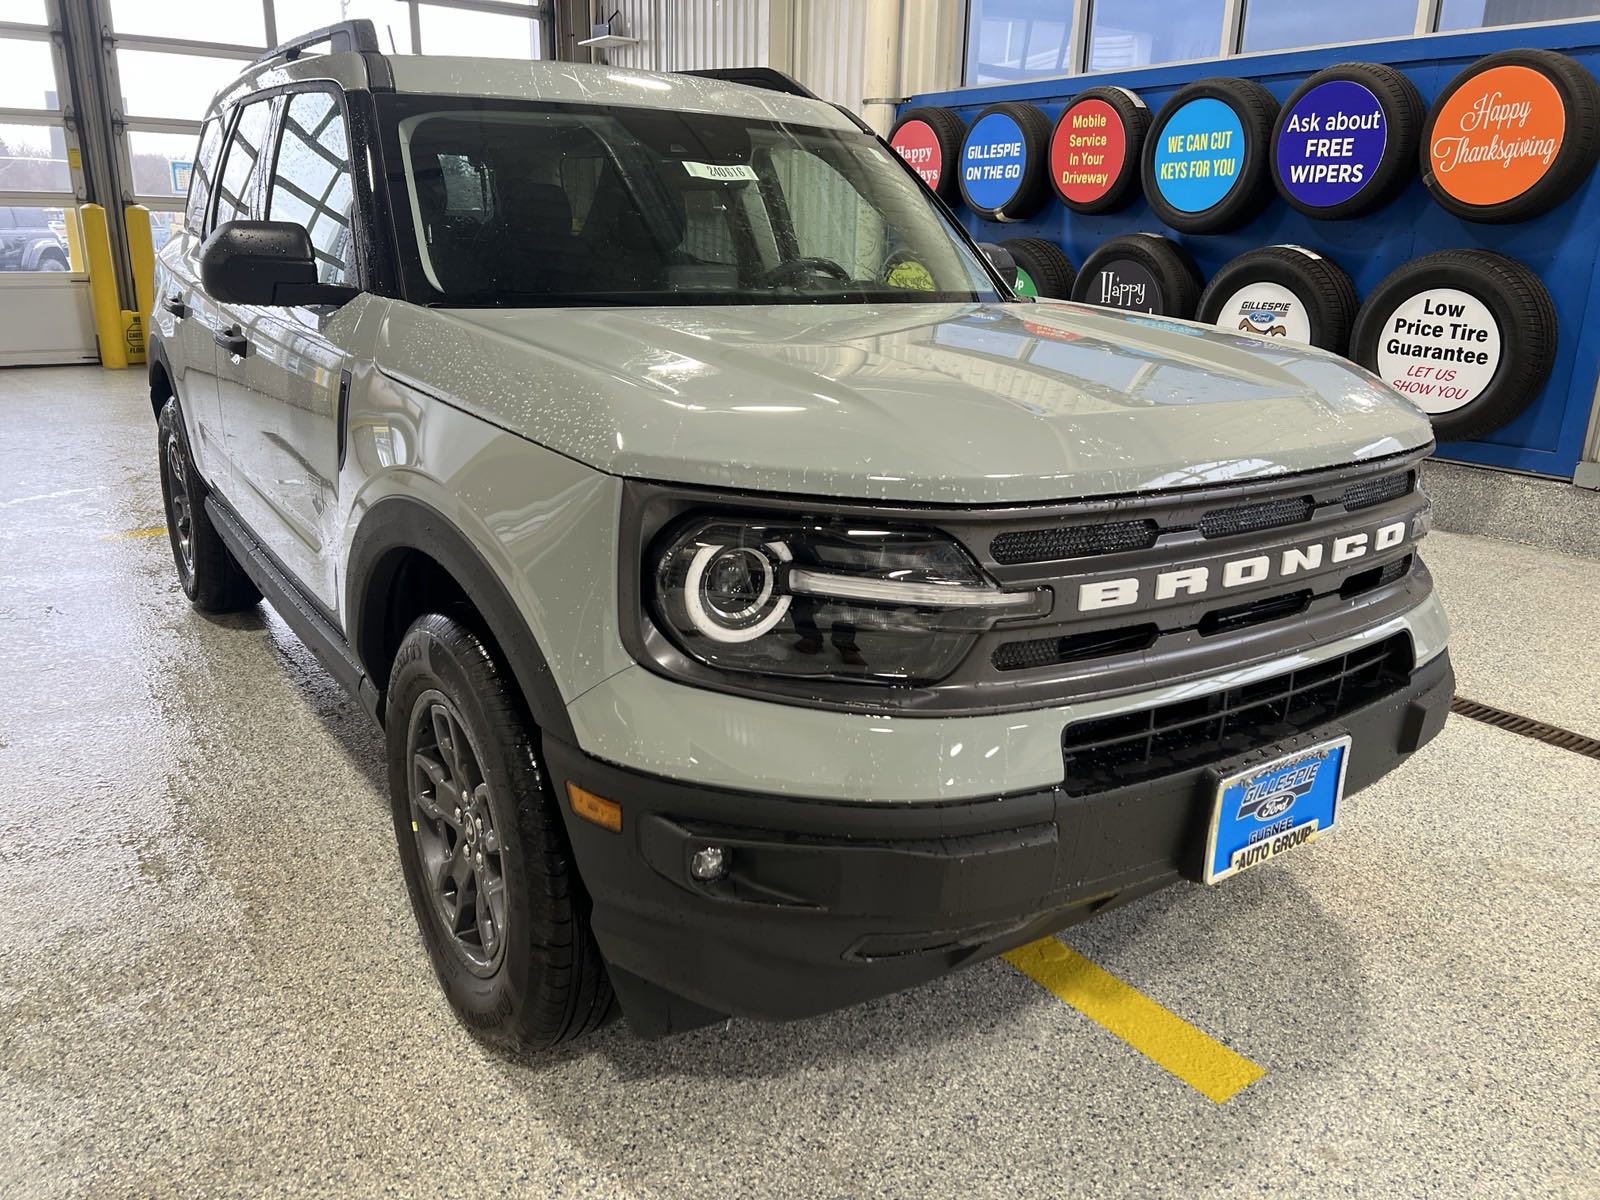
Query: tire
1009	121
1254	111
1162	268
539	978
1387	160
1503	194
1475	398
934	132
52	260
1045	266
207	571
1132	116
1320	296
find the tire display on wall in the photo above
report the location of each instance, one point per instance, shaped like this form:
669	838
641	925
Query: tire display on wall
1140	272
1095	148
1286	292
1512	136
1345	141
1043	269
1002	162
929	139
1468	335
1205	159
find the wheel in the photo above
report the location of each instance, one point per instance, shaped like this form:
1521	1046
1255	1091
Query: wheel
1042	268
498	901
209	574
1287	292
1206	155
50	260
1140	272
929	139
1003	162
1095	149
1469	336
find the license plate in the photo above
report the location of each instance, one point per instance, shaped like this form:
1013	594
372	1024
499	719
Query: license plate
1262	812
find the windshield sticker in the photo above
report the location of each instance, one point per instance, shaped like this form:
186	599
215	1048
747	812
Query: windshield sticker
730	172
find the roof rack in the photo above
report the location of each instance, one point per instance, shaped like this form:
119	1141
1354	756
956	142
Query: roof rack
766	78
359	36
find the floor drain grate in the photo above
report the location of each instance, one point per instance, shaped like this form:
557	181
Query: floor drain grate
1552	735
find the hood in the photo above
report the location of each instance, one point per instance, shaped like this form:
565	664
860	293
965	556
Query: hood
922	403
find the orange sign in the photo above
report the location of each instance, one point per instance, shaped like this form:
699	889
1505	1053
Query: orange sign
1497	135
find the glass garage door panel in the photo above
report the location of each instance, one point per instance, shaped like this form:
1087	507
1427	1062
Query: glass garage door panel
1136	33
27	75
1475	14
392	20
239	22
1270	26
155	84
161	163
458	31
33	158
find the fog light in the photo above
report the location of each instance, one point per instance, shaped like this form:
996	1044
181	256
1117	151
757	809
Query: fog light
709	863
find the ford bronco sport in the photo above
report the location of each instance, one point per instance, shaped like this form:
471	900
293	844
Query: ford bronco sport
765	608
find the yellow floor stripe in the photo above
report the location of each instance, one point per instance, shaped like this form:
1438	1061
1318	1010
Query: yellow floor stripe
1195	1057
142	532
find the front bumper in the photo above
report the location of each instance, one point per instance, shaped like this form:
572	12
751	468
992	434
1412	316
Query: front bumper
830	903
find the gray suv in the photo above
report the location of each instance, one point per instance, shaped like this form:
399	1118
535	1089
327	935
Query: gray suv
765	608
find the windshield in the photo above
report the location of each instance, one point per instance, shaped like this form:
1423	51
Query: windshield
518	204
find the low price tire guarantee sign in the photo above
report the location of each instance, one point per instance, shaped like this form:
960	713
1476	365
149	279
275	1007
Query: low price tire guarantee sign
1441	348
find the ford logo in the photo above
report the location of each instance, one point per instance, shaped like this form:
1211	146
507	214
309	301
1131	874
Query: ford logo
1274	805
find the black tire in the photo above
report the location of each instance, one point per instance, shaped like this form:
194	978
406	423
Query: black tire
543	981
948	132
1256	111
1574	159
207	571
1135	117
1403	112
1321	294
1046	265
1525	320
1171	279
1032	189
52	260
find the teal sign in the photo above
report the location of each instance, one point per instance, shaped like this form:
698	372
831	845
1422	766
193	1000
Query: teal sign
1199	155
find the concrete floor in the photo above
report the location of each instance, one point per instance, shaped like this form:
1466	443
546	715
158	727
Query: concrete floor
210	982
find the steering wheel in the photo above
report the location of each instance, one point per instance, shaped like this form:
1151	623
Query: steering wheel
795	267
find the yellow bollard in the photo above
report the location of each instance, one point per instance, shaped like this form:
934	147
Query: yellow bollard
142	254
103	286
74	239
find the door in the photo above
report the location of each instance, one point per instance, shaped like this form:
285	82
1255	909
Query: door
282	384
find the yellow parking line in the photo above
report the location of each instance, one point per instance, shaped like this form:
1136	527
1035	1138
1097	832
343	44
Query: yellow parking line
1194	1056
143	531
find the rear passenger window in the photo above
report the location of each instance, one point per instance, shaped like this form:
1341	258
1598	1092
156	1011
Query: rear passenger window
312	185
205	169
240	165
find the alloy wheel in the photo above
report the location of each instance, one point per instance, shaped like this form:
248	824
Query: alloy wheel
180	509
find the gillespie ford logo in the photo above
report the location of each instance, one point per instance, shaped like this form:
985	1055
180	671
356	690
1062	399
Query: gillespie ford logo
1182	582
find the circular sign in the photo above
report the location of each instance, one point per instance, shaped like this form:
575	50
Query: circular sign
993	161
1123	283
918	144
1199	153
1088	151
1441	348
1497	135
1024	284
1330	143
1269	309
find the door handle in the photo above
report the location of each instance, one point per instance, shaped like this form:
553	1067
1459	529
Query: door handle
174	304
233	340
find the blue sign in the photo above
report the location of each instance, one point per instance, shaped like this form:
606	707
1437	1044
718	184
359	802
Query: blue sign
1199	155
180	177
993	161
1331	144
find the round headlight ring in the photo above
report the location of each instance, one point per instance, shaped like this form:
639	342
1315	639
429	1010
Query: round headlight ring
754	619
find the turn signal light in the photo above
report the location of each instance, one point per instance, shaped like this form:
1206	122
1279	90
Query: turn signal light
605	813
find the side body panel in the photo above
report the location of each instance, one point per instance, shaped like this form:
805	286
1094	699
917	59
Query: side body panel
190	351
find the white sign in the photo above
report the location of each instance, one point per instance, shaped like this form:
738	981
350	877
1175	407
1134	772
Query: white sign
1441	348
726	171
1269	309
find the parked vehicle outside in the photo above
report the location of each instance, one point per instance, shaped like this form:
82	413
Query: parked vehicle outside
29	241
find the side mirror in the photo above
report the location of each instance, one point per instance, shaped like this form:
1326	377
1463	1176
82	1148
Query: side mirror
1000	259
265	262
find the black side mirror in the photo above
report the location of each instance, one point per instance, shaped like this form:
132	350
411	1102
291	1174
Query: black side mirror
1000	259
265	262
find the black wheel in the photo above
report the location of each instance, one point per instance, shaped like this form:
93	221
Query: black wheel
1467	335
1207	153
1002	165
1140	272
1095	149
1042	268
1477	168
1345	142
52	260
209	574
929	139
1287	292
501	910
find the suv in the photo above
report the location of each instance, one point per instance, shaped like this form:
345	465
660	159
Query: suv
765	608
28	243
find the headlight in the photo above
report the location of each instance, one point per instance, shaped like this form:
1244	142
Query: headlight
825	600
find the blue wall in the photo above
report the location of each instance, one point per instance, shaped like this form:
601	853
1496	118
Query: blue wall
1561	246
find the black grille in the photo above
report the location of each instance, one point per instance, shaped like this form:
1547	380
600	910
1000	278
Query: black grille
1242	616
1375	491
1134	747
1072	541
1047	652
1375	577
1252	518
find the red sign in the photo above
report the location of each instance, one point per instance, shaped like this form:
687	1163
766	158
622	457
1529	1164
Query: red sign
916	142
1087	151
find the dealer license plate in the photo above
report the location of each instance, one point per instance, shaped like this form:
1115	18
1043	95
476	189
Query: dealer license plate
1264	811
